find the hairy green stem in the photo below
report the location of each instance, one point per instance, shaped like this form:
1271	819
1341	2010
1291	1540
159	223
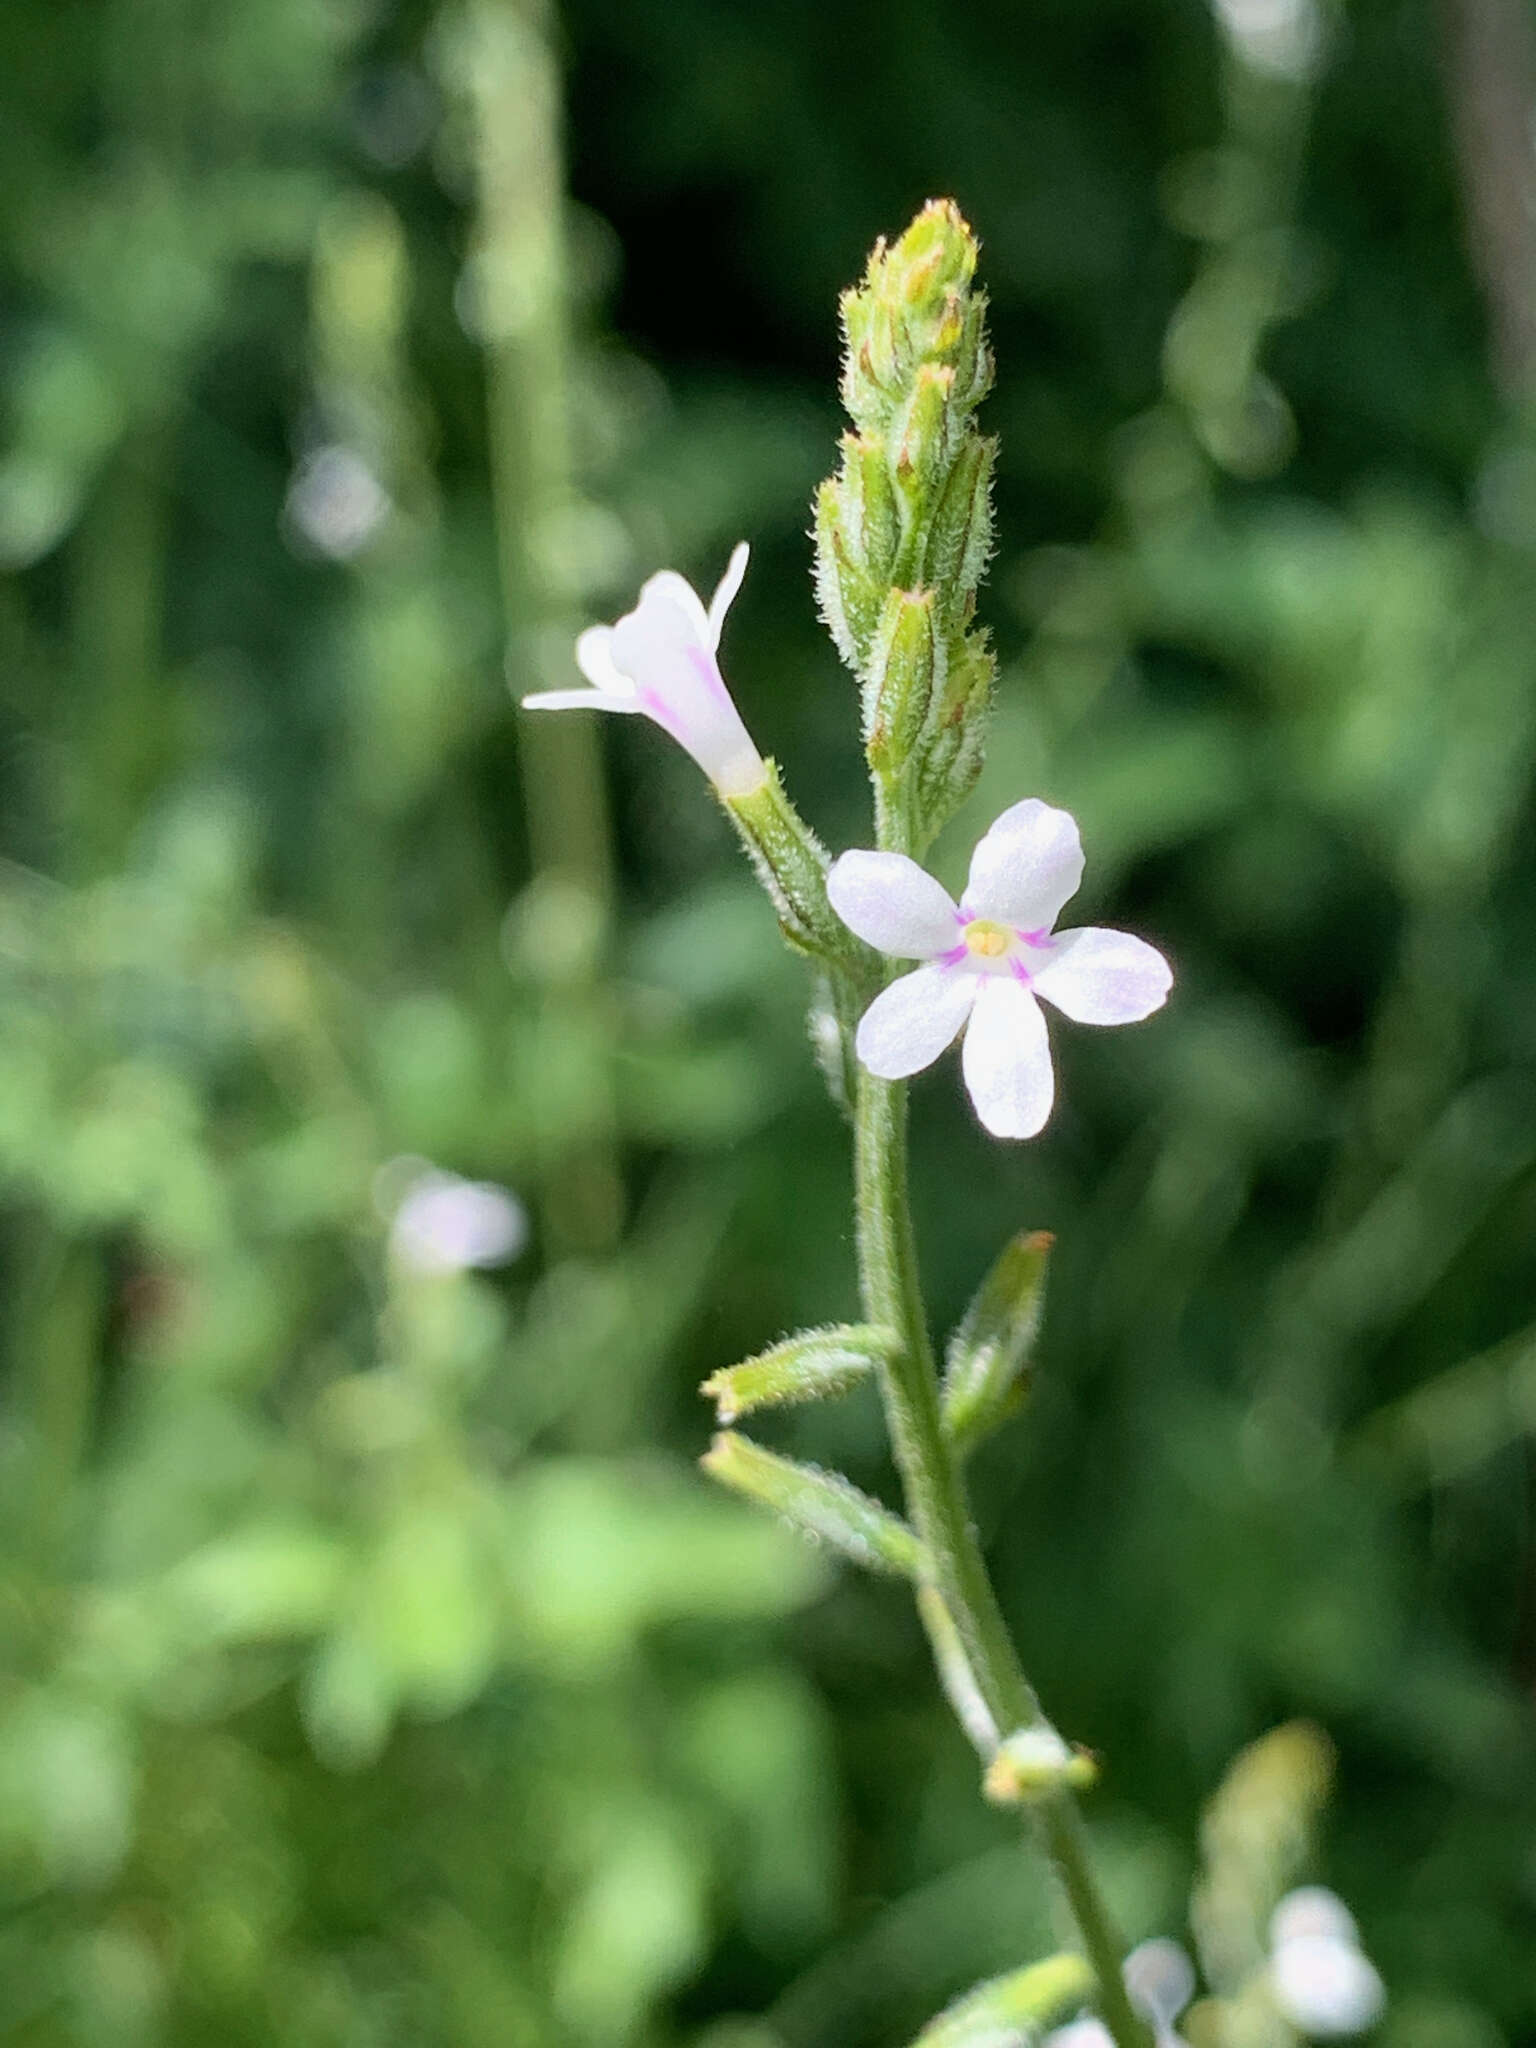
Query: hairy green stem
939	1510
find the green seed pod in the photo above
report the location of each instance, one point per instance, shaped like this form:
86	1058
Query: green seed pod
822	1505
988	1359
809	1367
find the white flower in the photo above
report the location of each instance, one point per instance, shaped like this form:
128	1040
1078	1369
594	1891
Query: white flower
660	660
443	1224
1321	1980
1160	1980
987	960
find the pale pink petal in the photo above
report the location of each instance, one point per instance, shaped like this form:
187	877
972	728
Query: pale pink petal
578	700
1007	1060
666	587
594	657
662	646
726	589
909	1024
1103	977
1027	866
893	904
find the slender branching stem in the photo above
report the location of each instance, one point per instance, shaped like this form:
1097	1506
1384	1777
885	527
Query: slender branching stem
936	1498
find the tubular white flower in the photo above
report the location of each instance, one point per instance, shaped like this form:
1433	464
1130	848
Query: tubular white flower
987	959
1320	1978
660	660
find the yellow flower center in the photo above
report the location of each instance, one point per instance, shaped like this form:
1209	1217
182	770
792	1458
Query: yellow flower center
990	940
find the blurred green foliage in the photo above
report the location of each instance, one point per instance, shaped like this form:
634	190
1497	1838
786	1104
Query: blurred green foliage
375	1667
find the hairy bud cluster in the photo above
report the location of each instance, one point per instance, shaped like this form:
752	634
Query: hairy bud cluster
904	530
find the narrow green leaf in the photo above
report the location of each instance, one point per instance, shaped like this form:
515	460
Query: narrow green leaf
1012	2011
988	1360
812	1366
823	1505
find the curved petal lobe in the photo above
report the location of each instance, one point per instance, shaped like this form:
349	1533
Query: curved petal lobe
909	1024
1027	866
594	657
578	700
1007	1060
1103	977
726	589
667	590
892	904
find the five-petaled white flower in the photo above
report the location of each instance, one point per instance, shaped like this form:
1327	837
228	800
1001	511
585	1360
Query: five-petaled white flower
660	659
987	959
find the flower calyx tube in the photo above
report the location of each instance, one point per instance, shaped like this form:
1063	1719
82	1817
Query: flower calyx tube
812	1366
904	529
821	1505
988	1360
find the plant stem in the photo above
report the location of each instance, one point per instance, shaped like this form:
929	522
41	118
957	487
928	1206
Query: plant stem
940	1511
513	90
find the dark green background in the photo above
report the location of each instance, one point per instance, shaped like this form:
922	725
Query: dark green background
375	1669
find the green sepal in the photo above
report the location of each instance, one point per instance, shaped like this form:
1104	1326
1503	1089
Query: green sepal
1015	2010
822	1505
953	750
922	438
906	669
988	1357
959	540
847	595
812	1366
791	864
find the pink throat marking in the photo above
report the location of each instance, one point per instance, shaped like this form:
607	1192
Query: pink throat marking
954	956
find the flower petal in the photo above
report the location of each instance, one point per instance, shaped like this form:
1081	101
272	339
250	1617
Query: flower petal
726	589
1007	1059
893	904
1026	867
594	657
578	700
668	590
909	1024
1102	977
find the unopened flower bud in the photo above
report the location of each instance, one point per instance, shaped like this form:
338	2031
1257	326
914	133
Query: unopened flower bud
907	520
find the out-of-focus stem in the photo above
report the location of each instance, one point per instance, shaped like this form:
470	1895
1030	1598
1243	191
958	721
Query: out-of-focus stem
521	303
521	286
116	626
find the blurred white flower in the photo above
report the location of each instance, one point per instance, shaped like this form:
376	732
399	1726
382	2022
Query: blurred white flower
660	660
1160	1979
987	959
1321	1980
1282	37
336	503
443	1224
